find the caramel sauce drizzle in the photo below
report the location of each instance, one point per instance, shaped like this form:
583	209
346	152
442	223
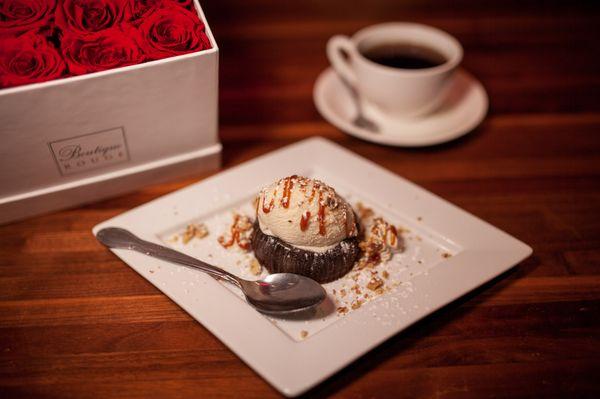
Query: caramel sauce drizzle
321	215
227	244
304	221
313	192
235	236
271	204
287	190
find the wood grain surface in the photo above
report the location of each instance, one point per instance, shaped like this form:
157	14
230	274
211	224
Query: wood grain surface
75	322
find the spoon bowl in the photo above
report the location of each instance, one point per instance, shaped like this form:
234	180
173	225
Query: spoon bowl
276	293
283	292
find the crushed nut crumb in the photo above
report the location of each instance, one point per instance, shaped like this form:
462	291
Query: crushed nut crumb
342	310
194	231
446	255
363	211
375	283
255	267
303	334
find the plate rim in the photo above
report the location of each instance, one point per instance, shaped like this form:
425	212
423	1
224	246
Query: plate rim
304	367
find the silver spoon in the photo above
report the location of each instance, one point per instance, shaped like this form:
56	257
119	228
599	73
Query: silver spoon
360	119
276	293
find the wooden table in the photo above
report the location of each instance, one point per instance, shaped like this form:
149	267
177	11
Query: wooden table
76	322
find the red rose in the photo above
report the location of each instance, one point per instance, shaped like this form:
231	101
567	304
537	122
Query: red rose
170	31
89	16
19	16
110	48
139	8
29	58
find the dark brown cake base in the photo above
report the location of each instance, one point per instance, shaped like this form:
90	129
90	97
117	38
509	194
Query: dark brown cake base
278	256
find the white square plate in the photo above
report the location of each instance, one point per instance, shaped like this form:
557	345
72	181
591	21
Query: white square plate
448	252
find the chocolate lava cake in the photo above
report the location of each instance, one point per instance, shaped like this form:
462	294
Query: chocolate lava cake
303	226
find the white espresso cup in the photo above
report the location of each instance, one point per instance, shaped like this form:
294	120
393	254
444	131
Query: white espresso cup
396	91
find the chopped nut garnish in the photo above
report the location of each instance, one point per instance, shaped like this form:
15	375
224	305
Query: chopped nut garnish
194	231
356	304
255	267
375	283
342	310
385	274
239	233
151	271
356	289
446	255
363	211
343	292
380	240
303	334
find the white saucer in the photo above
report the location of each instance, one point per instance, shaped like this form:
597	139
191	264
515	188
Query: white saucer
464	109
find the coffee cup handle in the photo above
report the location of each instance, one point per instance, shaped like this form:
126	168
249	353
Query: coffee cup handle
335	48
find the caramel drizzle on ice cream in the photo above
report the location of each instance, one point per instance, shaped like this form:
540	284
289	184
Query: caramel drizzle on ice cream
304	220
313	192
271	204
321	215
326	198
288	184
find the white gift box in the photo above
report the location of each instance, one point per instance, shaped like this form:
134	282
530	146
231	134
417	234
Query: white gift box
84	138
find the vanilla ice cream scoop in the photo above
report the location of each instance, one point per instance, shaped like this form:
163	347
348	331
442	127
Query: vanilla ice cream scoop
305	213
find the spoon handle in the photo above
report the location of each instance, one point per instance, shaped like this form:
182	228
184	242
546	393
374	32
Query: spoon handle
115	237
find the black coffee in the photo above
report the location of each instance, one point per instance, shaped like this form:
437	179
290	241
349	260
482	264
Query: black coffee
404	56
